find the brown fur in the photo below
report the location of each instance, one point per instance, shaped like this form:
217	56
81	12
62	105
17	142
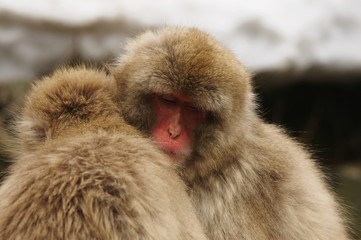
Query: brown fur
248	179
85	174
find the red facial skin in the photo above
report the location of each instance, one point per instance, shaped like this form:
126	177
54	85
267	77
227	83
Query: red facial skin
176	119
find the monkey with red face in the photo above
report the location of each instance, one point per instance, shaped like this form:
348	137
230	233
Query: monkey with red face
84	173
247	179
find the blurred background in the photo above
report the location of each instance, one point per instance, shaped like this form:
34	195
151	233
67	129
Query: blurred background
305	56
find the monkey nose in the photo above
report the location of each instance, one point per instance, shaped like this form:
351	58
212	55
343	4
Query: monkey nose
173	132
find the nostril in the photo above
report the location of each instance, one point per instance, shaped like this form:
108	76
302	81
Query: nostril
173	132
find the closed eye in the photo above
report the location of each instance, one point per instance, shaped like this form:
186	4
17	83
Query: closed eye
168	99
194	108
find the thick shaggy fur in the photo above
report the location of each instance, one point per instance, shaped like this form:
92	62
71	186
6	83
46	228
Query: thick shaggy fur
247	178
85	174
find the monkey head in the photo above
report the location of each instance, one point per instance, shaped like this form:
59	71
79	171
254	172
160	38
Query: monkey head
181	82
64	103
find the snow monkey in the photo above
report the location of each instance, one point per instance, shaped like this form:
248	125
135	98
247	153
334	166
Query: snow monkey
247	178
85	174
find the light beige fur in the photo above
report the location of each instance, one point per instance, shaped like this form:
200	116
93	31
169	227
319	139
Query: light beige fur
85	174
247	178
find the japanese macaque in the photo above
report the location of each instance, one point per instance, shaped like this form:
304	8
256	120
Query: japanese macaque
85	174
247	178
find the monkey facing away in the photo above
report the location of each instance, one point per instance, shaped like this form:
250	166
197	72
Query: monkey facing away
85	174
247	179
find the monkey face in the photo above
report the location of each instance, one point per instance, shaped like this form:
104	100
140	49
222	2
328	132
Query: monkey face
180	80
176	119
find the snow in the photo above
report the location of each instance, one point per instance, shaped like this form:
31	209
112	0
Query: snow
265	35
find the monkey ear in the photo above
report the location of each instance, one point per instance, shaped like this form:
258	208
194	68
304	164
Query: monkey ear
32	133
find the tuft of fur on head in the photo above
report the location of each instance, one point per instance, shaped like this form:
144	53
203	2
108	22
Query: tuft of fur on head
192	63
187	61
70	97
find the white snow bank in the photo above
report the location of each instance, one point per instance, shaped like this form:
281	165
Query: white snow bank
264	34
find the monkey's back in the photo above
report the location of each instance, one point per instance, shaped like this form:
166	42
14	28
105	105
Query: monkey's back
94	186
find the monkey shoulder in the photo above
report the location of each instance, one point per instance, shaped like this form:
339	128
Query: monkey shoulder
272	170
288	178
